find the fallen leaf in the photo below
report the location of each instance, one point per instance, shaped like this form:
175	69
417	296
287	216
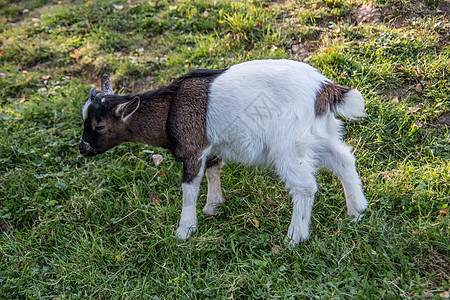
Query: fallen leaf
445	295
89	2
419	88
129	34
443	212
2	52
417	124
414	108
276	249
255	222
7	226
154	198
118	7
157	159
399	67
46	77
76	54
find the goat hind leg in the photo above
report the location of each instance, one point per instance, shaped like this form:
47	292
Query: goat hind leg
214	197
338	159
300	180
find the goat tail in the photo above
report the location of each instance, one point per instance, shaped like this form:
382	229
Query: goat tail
350	106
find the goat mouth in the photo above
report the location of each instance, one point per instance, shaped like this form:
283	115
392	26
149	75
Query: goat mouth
86	149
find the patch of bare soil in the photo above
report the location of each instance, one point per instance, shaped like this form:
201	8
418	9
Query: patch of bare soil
443	119
302	49
366	13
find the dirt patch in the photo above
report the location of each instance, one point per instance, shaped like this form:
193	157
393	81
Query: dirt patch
7	226
367	13
301	50
443	119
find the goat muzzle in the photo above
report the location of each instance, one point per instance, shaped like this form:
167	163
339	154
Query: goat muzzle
85	148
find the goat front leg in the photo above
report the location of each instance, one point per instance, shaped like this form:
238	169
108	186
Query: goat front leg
214	198
192	177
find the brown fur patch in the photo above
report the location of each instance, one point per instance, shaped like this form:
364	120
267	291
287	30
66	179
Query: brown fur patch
329	95
148	123
186	125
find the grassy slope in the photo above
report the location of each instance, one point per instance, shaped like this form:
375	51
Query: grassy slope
103	227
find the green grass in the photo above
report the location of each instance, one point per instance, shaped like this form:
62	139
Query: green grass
103	227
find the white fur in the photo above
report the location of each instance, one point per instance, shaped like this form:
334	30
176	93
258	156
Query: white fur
352	107
262	113
188	219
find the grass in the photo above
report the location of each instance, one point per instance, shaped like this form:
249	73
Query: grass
103	227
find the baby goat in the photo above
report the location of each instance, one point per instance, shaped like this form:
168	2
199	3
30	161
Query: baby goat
275	113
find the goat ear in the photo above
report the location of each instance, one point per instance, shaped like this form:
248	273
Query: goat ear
106	86
125	110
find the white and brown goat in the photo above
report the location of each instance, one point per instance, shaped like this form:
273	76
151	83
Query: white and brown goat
275	113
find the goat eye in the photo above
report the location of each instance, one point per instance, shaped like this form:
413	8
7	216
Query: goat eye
99	128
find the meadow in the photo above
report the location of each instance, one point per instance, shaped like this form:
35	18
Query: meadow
103	227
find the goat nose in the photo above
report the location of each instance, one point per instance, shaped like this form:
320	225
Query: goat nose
81	144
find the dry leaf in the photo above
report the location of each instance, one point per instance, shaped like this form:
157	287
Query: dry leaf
154	198
2	52
414	108
118	7
255	222
445	295
7	226
443	212
417	124
46	77
157	159
76	54
88	25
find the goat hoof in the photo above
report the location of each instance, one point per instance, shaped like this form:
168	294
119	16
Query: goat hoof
357	218
211	209
183	232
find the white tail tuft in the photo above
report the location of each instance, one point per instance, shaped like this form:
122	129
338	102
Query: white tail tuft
351	106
